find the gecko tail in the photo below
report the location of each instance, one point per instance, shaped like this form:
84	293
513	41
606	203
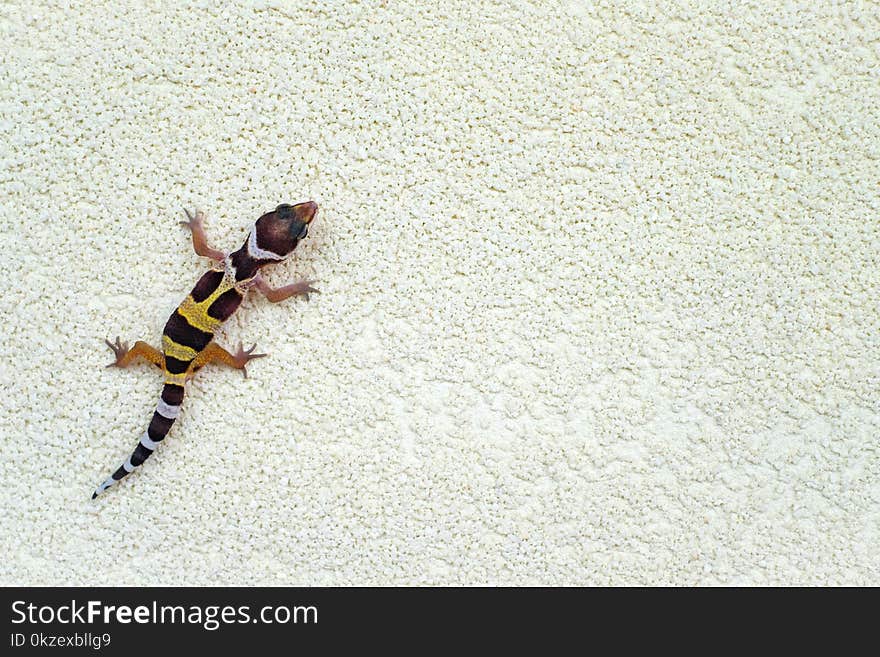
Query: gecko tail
164	416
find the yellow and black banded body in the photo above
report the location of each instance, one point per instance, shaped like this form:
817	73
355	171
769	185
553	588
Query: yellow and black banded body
191	327
188	339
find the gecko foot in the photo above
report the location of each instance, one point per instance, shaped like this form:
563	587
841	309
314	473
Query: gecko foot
243	356
195	221
305	288
120	349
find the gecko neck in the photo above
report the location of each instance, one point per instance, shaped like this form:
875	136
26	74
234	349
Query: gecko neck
243	265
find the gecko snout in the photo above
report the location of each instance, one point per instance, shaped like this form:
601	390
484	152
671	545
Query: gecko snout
305	212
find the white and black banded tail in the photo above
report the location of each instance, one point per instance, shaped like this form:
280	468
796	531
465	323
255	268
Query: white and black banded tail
166	413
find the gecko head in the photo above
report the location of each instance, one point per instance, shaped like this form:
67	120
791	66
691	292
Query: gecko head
276	234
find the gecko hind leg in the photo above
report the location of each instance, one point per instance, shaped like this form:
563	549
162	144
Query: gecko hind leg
214	353
125	356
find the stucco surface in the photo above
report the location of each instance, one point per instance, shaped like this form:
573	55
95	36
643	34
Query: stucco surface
599	292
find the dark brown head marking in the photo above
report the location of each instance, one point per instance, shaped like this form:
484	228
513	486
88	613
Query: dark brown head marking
276	234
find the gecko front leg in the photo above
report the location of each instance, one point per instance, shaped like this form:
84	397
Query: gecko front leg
276	294
196	224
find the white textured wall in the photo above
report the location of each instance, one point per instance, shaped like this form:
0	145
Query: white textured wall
600	292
